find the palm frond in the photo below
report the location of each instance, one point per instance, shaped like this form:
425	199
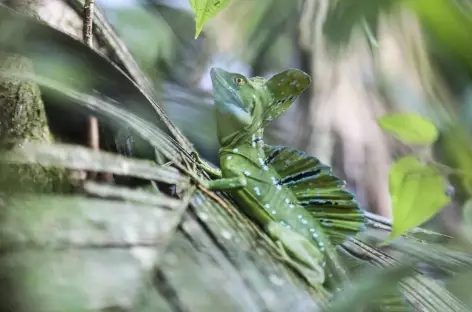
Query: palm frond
81	158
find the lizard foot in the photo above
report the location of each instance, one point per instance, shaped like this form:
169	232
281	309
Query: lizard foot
300	254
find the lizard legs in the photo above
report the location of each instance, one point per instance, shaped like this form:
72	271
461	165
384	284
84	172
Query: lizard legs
299	253
220	184
295	249
205	166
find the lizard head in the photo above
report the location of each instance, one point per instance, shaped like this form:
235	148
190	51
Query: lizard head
238	102
246	105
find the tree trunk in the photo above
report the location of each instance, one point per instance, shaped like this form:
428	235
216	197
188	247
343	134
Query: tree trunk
22	119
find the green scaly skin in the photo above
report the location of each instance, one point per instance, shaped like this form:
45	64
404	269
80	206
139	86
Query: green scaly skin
291	195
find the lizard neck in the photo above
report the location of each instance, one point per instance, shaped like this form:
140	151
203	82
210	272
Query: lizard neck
250	147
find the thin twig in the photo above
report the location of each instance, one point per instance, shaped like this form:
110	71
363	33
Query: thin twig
215	198
93	139
92	122
88	22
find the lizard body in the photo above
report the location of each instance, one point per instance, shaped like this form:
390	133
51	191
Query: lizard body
291	195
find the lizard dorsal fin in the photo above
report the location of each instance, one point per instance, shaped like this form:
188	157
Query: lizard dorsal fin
284	87
318	191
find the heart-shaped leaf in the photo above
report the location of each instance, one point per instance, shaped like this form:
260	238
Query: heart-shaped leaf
409	128
418	193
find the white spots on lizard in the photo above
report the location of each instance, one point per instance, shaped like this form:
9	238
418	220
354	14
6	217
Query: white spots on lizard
247	173
320	243
283	223
254	141
267	206
279	187
315	235
291	206
264	166
274	180
304	221
257	191
287	200
235	150
261	161
229	157
273	212
295	83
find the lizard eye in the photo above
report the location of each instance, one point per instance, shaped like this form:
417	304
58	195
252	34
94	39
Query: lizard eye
239	81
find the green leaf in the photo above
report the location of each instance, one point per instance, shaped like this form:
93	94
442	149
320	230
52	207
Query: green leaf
205	10
417	191
409	128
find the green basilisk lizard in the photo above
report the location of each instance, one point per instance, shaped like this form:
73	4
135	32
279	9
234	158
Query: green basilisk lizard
291	195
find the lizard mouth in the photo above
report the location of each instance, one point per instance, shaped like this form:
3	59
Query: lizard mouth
219	81
216	73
